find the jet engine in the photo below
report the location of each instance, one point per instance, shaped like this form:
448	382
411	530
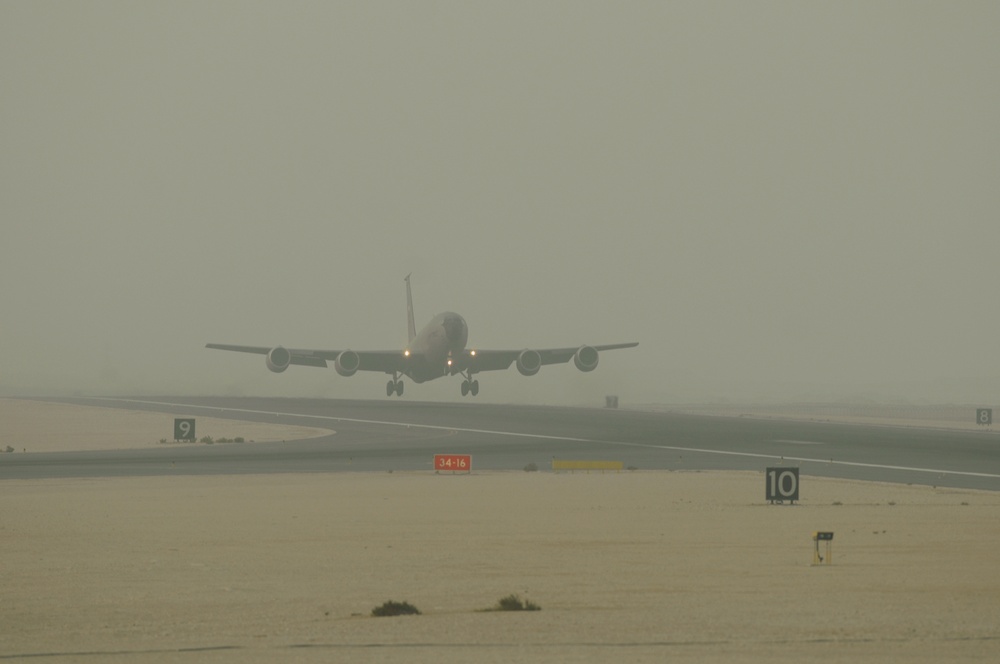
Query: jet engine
347	363
585	358
529	362
278	359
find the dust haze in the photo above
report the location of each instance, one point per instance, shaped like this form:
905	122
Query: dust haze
777	200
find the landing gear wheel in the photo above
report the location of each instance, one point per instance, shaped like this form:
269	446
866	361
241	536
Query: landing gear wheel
465	388
399	388
474	387
390	387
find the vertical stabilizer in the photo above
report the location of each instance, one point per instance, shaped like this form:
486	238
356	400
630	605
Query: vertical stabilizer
411	325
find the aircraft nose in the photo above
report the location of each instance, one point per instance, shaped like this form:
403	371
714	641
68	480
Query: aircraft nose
455	330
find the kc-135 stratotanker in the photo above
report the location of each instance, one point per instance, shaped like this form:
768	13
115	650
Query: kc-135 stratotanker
439	349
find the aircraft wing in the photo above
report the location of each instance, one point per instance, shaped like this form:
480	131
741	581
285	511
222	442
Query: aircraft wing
368	360
499	360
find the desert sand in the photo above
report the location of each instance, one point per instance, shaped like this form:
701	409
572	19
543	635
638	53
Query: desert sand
633	566
39	426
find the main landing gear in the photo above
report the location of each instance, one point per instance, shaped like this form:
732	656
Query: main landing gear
469	386
394	386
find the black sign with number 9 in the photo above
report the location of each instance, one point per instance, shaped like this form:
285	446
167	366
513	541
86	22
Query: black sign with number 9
183	429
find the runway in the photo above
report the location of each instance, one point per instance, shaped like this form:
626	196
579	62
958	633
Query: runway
402	435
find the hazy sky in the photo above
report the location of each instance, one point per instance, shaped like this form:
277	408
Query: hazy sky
776	199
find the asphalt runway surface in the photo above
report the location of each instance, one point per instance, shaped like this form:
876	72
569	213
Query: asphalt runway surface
393	435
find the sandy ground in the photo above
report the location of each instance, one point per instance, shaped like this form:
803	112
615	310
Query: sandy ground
637	567
38	426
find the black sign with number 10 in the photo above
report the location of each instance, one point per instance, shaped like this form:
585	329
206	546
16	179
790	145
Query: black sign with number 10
782	484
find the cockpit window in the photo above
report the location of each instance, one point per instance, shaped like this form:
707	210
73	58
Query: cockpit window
454	328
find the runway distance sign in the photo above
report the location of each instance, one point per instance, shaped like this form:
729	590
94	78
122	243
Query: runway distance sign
183	428
984	416
782	484
461	463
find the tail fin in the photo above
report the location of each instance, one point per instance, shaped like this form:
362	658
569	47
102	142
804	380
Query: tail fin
411	326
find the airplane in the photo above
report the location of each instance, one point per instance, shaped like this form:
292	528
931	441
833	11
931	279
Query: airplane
439	349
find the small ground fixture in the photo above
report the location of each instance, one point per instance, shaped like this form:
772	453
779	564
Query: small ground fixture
818	558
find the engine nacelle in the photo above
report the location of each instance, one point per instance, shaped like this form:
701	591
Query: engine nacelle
585	358
278	359
529	362
347	363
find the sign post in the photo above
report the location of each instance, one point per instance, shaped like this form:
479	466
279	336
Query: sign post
823	537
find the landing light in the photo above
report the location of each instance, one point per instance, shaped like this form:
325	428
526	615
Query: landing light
406	353
472	353
449	363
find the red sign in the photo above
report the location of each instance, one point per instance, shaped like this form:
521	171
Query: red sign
461	463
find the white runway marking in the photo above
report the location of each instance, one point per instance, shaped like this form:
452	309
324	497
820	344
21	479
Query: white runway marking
831	462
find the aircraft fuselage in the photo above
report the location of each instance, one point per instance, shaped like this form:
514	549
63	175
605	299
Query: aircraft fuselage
441	339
